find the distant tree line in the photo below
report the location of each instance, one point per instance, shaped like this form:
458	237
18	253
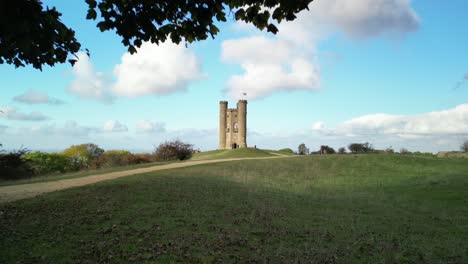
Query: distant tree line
25	164
362	148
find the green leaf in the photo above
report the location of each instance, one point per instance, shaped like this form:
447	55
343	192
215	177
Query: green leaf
272	28
91	14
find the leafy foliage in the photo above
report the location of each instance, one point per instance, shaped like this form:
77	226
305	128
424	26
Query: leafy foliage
13	165
31	35
47	163
114	158
404	151
464	146
342	150
360	147
302	149
173	150
389	150
327	150
84	155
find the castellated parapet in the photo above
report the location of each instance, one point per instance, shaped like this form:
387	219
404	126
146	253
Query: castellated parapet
232	125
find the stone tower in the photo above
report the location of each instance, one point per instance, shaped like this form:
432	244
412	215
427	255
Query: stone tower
232	125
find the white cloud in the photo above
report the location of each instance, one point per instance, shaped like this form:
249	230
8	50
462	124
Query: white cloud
156	70
114	126
362	18
88	83
248	50
12	113
269	66
36	97
448	122
288	61
145	126
68	129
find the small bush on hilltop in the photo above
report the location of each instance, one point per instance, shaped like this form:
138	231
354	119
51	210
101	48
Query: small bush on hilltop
464	146
360	148
327	150
173	150
404	151
342	150
302	149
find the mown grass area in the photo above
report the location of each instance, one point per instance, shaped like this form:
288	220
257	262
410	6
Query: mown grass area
72	175
237	153
330	209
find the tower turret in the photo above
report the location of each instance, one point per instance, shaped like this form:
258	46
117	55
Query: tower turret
242	119
222	124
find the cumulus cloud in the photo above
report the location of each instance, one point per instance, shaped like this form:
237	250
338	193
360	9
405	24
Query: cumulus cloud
156	70
289	61
269	66
448	122
12	113
88	83
146	126
114	126
70	129
363	18
36	97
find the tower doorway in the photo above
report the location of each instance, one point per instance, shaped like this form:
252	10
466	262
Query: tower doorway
234	146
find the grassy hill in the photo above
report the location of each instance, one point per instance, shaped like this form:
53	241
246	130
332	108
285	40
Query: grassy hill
238	153
334	209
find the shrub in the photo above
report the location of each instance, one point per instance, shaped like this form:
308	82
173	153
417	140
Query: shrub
84	155
13	166
302	149
342	150
114	158
360	147
141	158
173	150
404	151
389	150
327	150
464	146
46	163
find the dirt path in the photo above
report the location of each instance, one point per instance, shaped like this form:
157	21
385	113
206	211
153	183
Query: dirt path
22	191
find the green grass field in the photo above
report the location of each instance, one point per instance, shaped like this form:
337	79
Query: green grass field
238	153
72	175
208	155
333	209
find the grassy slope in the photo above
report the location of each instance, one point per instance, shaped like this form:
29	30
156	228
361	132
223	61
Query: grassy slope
56	177
237	153
337	209
216	154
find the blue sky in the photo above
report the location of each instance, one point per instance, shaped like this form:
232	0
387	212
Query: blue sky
391	72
